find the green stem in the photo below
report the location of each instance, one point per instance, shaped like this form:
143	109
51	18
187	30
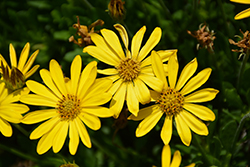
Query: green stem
203	152
21	129
236	136
165	8
242	68
88	4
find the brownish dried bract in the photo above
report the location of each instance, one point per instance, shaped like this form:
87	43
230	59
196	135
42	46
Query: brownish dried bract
204	36
116	9
243	43
84	33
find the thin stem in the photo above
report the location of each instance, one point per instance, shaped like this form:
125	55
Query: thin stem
21	129
165	8
203	152
88	4
242	68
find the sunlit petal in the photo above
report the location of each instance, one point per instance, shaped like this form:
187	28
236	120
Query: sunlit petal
33	99
183	130
176	161
75	72
102	112
132	101
142	91
173	67
166	131
39	116
166	156
73	138
136	42
5	128
92	121
24	56
202	95
13	59
83	133
123	33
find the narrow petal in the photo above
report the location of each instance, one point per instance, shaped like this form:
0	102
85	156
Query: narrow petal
243	14
183	130
186	73
98	111
32	71
83	133
5	128
143	113
166	156
118	100
46	77
201	112
4	62
116	85
123	33
10	115
176	161
166	131
153	82
39	116
158	68
92	121
173	67
41	90
194	124
136	42
166	54
60	136
148	123
196	81
73	137
150	44
37	100
13	59
202	95
132	101
154	95
147	70
75	72
44	128
191	165
241	1
108	71
57	76
17	108
24	56
142	91
30	62
112	39
96	100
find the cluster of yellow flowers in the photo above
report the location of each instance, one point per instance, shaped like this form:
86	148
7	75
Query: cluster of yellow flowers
139	75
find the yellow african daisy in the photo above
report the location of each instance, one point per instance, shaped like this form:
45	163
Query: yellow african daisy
176	101
15	76
73	103
244	13
132	73
10	111
166	158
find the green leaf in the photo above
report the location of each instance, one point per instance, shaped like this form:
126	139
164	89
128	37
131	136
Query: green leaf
227	134
231	97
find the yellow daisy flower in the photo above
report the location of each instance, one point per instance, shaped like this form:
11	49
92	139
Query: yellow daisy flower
166	158
10	111
73	103
132	73
15	76
176	101
244	13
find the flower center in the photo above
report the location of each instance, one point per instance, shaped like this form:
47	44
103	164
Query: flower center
171	102
128	69
69	107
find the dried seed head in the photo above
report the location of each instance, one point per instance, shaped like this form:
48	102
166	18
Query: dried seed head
116	9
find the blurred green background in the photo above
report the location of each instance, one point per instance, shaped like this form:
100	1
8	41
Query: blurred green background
47	25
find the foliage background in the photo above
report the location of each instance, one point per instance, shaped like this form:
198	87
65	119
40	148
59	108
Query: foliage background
47	25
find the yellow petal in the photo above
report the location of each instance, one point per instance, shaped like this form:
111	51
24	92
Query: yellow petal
186	73
166	131
30	62
143	113
152	41
114	78
32	71
154	95
166	156
176	161
5	128
44	128
166	54
75	72
96	100
3	91
123	33
13	59
196	82
39	116
148	123
46	77
191	165
136	42
201	112
41	90
108	71
83	133
60	136
158	68
112	39
173	67
98	111
10	115
92	121
24	56
183	130
142	91
202	95
132	101
147	70
18	108
243	14
33	99
241	1
57	76
118	100
4	62
194	124
114	88
73	137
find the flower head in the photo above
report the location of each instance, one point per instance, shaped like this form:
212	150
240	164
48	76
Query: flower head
84	32
73	103
116	9
176	101
10	111
15	76
132	72
244	13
